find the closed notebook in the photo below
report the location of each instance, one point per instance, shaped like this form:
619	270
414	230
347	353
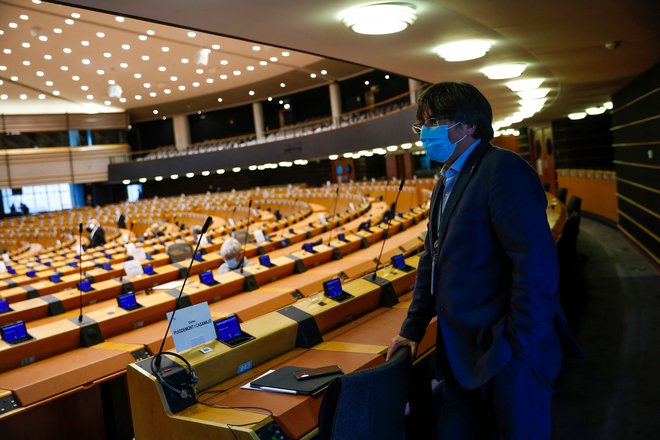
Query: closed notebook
284	379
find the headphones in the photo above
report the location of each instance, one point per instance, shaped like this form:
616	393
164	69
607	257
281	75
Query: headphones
183	389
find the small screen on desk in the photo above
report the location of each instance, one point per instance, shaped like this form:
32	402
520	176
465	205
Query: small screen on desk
341	236
308	247
55	278
14	332
264	260
398	262
332	288
206	277
4	305
106	266
127	300
148	269
228	328
84	285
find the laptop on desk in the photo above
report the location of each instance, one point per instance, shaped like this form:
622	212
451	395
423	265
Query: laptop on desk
15	333
228	331
332	289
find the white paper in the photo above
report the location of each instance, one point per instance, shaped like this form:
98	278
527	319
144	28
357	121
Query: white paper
139	254
3	266
259	236
324	221
133	268
171	285
192	326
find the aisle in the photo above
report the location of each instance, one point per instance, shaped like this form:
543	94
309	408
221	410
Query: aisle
615	392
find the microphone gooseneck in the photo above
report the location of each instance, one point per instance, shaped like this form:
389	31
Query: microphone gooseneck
389	221
121	277
158	356
80	229
247	234
334	211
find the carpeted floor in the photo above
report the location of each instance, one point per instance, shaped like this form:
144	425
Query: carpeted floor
614	305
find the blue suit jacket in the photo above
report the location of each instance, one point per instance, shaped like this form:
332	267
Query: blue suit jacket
496	273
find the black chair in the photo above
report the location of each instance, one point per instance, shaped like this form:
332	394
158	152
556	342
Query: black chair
368	404
561	194
179	251
574	206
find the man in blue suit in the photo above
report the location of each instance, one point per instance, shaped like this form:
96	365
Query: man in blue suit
489	273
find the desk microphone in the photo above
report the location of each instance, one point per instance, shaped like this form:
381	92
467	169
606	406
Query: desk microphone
80	228
334	211
121	277
389	221
156	359
247	234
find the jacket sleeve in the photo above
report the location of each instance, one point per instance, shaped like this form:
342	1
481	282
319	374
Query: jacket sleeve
422	308
517	208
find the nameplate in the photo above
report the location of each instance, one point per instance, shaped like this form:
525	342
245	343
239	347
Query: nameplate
192	326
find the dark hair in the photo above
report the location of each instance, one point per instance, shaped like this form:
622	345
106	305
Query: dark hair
459	102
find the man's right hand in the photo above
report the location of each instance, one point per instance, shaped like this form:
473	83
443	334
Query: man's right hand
400	341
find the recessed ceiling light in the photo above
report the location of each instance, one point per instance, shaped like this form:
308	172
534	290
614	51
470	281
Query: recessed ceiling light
379	19
66	50
100	72
185	60
174	176
182	88
219	99
223	76
142	37
41	96
236	169
145	57
25	44
107	54
285	54
138	97
100	34
75	15
146	85
236	72
366	83
282	85
199	71
126	181
595	110
119	19
273	59
576	116
215	46
324	72
122	99
86	61
126	46
40	73
84	88
463	50
64	68
84	43
280	102
23	96
90	97
608	105
49	83
153	94
142	179
251	93
69	21
111	82
220	171
36	2
162	68
256	48
167	91
165	49
150	32
75	78
56	92
209	80
250	68
287	106
173	78
312	75
155	112
263	63
224	62
24	17
524	84
158	178
4	97
504	71
7	51
48	57
3	68
191	34
57	30
270	98
195	84
123	65
43	38
15	78
13	25
26	63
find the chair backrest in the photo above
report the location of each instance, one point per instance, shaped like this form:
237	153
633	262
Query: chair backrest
368	404
179	251
574	205
567	244
561	194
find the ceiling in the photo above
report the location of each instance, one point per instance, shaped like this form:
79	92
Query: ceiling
564	42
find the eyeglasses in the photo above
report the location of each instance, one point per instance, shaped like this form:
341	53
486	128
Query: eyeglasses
430	123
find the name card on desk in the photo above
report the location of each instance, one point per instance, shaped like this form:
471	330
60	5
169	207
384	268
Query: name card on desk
133	268
259	236
192	326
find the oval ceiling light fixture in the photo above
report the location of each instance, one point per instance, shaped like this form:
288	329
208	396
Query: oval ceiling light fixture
464	50
576	116
524	84
534	93
595	110
379	18
504	71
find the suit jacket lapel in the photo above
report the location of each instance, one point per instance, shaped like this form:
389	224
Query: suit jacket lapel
463	178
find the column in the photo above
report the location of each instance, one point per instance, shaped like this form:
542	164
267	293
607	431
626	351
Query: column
181	132
258	115
335	102
414	88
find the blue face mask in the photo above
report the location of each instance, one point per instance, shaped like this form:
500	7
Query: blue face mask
232	263
436	142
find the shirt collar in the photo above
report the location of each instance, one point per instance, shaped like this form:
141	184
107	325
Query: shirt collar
457	166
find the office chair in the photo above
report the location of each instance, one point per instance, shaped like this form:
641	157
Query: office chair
574	206
368	404
179	251
561	194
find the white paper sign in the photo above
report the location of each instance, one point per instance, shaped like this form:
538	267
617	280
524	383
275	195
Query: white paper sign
5	258
133	268
352	206
232	223
259	236
192	326
130	249
139	254
324	221
3	266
